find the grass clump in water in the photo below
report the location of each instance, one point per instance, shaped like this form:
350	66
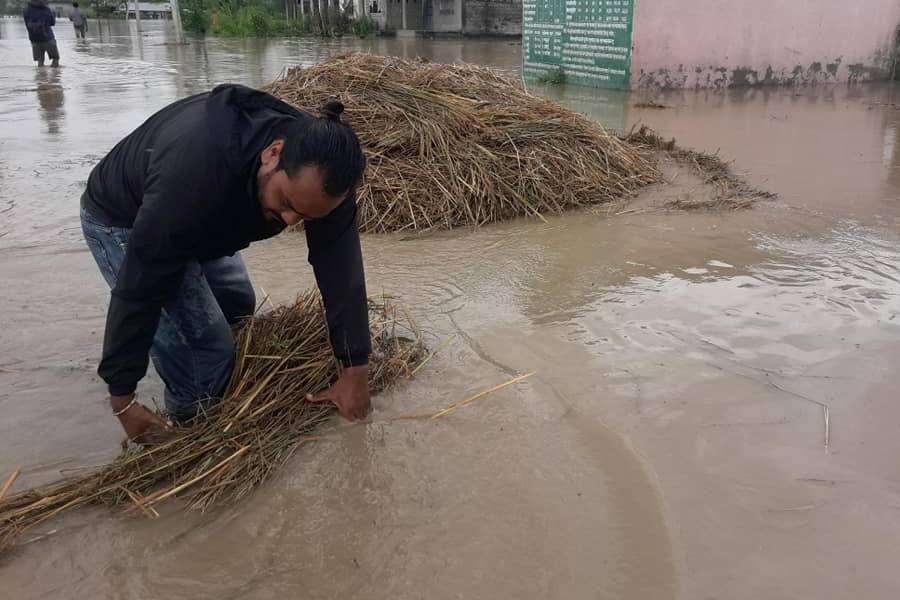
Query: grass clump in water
364	27
553	76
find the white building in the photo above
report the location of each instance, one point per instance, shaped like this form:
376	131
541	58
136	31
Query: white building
474	17
149	10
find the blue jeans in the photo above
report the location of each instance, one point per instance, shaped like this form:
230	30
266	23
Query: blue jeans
193	349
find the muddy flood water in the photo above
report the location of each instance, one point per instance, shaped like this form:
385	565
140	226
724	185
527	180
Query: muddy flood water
672	444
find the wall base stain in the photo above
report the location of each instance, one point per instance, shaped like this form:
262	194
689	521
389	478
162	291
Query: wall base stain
718	77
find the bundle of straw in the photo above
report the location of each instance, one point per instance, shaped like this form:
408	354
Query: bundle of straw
281	356
452	145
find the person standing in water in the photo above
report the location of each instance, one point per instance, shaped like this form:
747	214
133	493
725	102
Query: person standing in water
78	21
39	21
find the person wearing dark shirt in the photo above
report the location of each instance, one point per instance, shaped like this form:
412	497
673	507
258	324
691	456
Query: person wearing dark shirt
39	21
165	215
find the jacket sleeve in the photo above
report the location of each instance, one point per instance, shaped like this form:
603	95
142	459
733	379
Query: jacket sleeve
336	257
159	247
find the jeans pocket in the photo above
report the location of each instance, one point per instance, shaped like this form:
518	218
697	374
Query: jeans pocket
101	256
89	221
105	246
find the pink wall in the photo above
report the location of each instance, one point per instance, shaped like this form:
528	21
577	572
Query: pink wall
718	43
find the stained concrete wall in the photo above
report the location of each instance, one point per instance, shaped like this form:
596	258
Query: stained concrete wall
414	14
446	16
719	43
492	17
393	14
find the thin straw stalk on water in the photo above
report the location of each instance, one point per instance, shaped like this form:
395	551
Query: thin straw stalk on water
9	482
479	395
465	402
227	452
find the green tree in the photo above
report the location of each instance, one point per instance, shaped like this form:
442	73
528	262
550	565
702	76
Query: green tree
195	15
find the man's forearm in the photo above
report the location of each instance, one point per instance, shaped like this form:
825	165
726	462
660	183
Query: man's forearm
336	257
118	403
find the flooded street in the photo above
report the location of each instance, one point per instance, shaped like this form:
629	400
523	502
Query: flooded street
672	445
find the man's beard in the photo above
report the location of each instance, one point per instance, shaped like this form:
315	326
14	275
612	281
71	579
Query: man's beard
270	216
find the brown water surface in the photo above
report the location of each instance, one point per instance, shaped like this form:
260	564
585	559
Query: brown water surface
671	445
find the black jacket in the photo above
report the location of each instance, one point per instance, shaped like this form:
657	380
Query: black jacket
39	21
185	183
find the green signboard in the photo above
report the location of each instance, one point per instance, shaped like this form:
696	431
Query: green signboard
587	42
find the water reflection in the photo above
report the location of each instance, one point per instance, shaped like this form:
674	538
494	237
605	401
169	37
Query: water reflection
51	98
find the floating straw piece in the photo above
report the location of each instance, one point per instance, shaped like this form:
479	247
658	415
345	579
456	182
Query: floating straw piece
432	354
479	395
9	482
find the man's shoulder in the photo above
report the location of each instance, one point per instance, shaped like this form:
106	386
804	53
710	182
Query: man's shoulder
244	98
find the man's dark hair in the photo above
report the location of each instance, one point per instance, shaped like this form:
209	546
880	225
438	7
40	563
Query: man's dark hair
75	4
327	142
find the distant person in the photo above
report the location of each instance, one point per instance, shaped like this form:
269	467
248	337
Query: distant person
39	20
79	21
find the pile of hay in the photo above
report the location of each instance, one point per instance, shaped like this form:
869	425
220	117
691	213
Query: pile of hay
452	145
729	190
281	356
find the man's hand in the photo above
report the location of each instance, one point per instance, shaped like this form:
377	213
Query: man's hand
350	393
141	424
